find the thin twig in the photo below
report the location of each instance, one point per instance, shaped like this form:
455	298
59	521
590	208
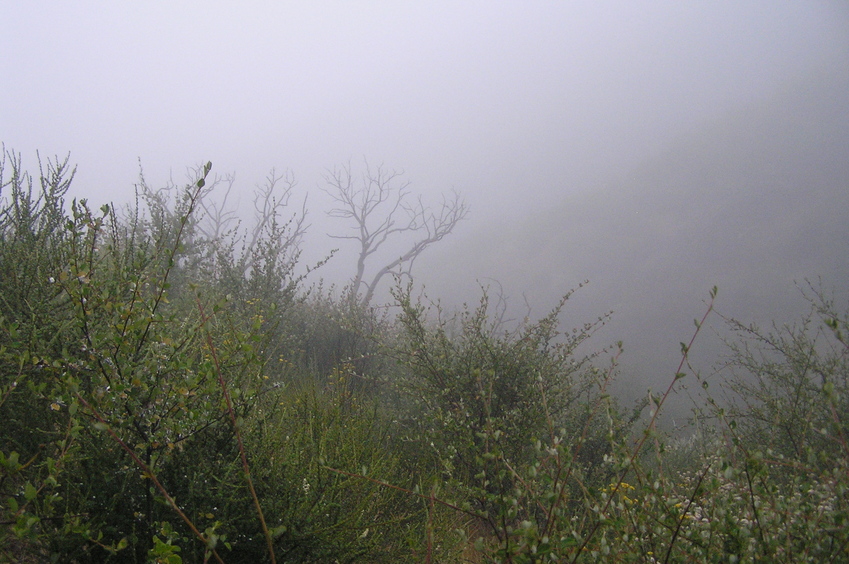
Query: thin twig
685	349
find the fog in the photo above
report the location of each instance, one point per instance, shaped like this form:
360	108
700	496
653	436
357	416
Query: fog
655	148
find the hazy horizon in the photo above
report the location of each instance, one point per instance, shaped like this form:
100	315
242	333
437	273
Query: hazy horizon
590	112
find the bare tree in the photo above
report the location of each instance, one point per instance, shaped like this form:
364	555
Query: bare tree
270	201
381	208
221	223
218	218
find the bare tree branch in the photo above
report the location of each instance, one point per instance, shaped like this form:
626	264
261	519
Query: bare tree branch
216	237
218	219
270	201
381	208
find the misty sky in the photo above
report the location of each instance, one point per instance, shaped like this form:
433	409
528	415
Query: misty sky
513	103
521	106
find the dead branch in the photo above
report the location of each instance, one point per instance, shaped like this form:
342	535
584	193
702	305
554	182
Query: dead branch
380	208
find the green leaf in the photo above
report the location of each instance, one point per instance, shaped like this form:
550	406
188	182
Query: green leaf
11	462
30	492
828	389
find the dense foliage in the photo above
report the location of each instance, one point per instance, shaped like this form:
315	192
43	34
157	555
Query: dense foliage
167	396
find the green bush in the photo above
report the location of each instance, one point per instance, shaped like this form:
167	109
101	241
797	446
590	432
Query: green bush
169	397
130	381
479	399
742	492
331	330
318	455
790	385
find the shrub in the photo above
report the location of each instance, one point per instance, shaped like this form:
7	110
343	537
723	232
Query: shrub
130	383
790	385
479	398
166	397
311	443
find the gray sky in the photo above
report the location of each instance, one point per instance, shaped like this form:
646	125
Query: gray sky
511	102
525	107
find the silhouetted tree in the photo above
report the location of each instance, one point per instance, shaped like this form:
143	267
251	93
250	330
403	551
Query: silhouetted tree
380	207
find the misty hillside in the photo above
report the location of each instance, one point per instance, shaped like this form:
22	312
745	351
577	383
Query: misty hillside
712	209
206	354
140	366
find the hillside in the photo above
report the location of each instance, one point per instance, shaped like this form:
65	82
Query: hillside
753	202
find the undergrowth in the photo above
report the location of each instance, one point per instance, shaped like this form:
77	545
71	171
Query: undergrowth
166	397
